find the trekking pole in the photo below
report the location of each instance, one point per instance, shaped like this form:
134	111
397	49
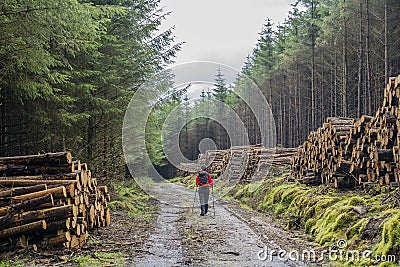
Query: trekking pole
194	200
212	192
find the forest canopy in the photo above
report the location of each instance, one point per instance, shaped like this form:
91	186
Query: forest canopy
68	70
329	58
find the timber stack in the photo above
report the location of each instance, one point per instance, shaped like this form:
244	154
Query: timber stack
186	169
49	200
253	157
374	143
348	153
317	160
237	163
215	160
277	158
280	157
254	162
240	164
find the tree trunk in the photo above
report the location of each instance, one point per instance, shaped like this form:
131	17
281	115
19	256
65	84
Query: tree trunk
345	64
367	59
313	122
52	214
386	43
29	204
360	62
38	226
22	190
48	158
11	169
57	192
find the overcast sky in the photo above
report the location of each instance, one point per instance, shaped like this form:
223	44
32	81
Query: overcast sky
223	31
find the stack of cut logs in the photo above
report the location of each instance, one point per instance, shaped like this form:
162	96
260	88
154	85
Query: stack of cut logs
348	153
49	200
243	163
373	144
253	157
185	169
261	159
317	159
239	157
279	157
215	160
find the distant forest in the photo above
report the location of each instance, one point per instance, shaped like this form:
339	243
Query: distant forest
329	58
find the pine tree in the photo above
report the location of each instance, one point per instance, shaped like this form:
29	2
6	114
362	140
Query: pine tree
68	71
220	91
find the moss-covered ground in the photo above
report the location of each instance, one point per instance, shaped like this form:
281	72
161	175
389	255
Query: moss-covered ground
366	220
129	197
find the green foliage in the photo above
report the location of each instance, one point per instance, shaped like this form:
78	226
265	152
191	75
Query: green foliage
188	181
101	259
220	92
11	263
37	40
328	215
131	198
68	71
315	63
332	223
390	243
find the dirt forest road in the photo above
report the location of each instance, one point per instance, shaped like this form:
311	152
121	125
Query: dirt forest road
232	238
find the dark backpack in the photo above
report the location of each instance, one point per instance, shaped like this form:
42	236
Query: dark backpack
203	177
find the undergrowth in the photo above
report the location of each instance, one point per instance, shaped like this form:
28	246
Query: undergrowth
130	197
187	181
365	220
101	259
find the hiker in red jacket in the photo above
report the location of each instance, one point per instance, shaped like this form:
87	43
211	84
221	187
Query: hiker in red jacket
204	182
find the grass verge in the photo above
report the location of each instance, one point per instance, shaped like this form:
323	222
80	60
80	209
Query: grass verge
369	222
128	196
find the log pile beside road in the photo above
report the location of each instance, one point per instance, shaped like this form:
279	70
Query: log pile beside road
185	169
317	160
215	160
348	153
238	158
277	158
49	200
240	164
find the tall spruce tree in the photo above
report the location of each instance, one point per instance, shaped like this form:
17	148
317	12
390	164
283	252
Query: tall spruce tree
220	91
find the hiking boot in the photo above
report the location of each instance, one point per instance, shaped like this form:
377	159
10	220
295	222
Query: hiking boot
205	208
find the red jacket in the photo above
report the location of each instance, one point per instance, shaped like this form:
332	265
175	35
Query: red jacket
210	181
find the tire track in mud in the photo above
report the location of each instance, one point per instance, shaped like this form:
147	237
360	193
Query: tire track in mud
183	238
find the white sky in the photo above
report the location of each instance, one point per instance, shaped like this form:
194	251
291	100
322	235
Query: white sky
222	31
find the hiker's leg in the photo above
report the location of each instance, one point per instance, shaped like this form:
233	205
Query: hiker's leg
207	195
202	200
201	196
